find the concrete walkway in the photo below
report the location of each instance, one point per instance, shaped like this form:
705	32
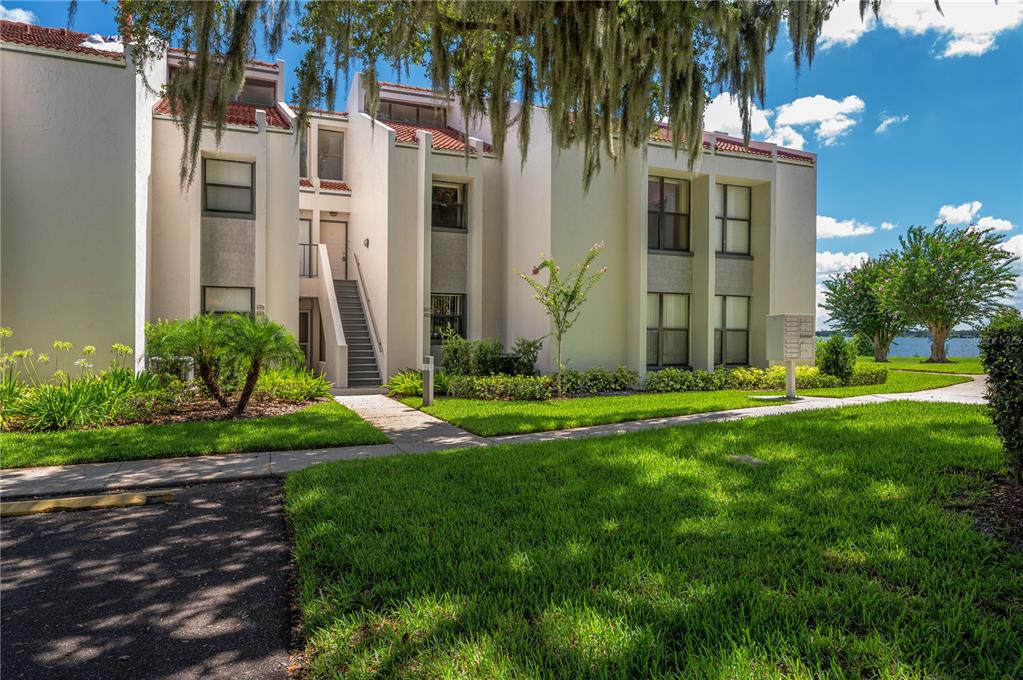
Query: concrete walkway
409	430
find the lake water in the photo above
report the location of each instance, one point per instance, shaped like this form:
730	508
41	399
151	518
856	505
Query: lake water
954	347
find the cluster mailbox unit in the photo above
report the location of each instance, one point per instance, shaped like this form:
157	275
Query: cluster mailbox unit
791	338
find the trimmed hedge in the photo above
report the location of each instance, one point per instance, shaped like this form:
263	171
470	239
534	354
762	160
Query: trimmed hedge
1001	351
598	380
773	378
501	387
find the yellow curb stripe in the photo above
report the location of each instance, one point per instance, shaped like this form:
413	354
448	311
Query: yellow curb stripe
114	500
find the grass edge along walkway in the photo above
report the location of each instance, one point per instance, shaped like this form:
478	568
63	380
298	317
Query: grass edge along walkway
324	424
497	418
654	554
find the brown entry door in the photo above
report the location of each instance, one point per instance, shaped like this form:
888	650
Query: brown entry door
335	235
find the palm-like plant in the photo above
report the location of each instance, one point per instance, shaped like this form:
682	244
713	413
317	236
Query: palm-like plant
259	341
202	339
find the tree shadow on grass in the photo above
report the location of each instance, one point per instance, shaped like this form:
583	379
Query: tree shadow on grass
654	554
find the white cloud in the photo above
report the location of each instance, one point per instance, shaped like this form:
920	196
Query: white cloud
995	224
887	226
832	117
970	28
14	14
829	263
967	29
1014	245
829	227
888	121
958	214
722	115
788	137
844	26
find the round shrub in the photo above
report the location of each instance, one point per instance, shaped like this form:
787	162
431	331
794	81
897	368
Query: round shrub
837	357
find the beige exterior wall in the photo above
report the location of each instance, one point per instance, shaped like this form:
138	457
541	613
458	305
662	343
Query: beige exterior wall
74	138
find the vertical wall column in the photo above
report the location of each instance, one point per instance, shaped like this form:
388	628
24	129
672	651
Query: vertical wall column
262	200
701	301
424	238
762	226
635	220
474	247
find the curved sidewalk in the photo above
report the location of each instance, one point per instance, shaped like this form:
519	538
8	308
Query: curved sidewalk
410	431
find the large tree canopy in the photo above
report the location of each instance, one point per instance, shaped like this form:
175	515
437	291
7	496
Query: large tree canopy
608	72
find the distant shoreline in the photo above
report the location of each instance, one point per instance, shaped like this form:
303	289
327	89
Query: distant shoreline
969	333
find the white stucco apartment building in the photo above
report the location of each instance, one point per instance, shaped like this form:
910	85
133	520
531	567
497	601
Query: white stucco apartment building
365	237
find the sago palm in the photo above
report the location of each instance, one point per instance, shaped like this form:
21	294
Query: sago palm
259	342
201	338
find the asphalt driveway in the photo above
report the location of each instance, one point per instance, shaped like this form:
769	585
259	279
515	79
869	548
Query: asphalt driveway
198	588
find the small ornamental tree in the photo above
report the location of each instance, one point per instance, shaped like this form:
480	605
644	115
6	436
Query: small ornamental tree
1001	350
563	298
259	342
945	277
852	299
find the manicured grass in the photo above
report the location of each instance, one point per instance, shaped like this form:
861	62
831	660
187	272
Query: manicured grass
653	555
490	418
898	381
959	365
324	424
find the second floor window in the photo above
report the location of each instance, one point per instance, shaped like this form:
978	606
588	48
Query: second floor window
447	310
733	223
404	112
449	205
667	214
227	186
330	152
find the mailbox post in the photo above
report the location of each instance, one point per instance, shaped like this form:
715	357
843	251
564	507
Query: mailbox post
791	338
427	380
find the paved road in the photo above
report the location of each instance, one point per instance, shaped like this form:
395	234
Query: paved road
198	588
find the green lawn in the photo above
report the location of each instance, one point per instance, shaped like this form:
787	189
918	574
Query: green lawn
654	555
959	365
492	418
324	424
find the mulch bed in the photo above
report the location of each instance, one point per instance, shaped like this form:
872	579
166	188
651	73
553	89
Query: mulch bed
207	409
998	509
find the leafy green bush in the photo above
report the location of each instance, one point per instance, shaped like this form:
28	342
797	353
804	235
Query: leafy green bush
501	387
70	405
291	384
837	357
869	374
681	380
524	354
485	357
456	353
1001	351
407	383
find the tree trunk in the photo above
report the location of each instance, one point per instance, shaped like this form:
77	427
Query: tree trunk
557	360
210	381
938	336
880	348
250	386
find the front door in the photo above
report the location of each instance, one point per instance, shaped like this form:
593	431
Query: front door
335	235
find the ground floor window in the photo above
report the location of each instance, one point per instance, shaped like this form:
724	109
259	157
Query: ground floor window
667	329
731	330
447	309
223	300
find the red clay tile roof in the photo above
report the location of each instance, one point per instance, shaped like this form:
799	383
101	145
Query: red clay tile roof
735	145
329	185
446	138
238	114
412	88
305	183
51	39
252	62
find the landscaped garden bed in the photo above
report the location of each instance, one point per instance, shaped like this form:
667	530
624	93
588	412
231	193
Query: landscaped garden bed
848	552
250	394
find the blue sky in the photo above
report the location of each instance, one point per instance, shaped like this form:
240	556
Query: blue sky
950	87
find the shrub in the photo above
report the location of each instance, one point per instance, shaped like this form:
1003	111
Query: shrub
291	384
681	380
485	357
837	357
1001	351
869	374
524	354
407	383
440	382
571	381
70	405
599	379
501	387
456	353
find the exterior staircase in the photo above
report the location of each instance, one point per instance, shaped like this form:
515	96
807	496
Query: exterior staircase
362	363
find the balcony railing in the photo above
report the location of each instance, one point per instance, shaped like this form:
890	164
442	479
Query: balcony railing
307	260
